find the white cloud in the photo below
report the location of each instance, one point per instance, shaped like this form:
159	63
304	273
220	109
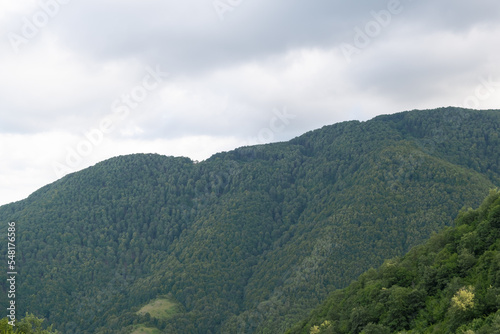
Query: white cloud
54	88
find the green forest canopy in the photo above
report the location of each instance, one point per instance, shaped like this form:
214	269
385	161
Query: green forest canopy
251	240
451	284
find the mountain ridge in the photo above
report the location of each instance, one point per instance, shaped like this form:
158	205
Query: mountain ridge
251	239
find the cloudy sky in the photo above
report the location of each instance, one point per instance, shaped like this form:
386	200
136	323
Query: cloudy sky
83	81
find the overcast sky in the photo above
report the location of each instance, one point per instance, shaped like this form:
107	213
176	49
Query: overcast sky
83	81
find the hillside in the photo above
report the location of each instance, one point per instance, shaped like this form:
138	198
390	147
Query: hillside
249	240
449	285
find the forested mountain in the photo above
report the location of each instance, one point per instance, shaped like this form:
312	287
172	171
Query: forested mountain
248	241
451	284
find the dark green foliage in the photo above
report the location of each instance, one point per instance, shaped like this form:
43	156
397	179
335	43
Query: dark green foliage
464	300
251	240
375	329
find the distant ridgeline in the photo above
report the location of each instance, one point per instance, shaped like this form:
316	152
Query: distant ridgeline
251	240
451	284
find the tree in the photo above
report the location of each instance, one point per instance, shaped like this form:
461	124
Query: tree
5	328
28	325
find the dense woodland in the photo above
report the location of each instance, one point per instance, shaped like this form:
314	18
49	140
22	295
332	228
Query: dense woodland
449	285
248	241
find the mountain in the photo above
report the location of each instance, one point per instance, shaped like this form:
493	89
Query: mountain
451	284
248	241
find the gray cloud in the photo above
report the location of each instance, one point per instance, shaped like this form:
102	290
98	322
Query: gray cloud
189	37
228	76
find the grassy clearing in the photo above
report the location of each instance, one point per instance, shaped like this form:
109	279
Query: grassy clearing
161	308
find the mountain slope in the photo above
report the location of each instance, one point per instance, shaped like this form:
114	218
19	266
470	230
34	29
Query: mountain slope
449	285
249	240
